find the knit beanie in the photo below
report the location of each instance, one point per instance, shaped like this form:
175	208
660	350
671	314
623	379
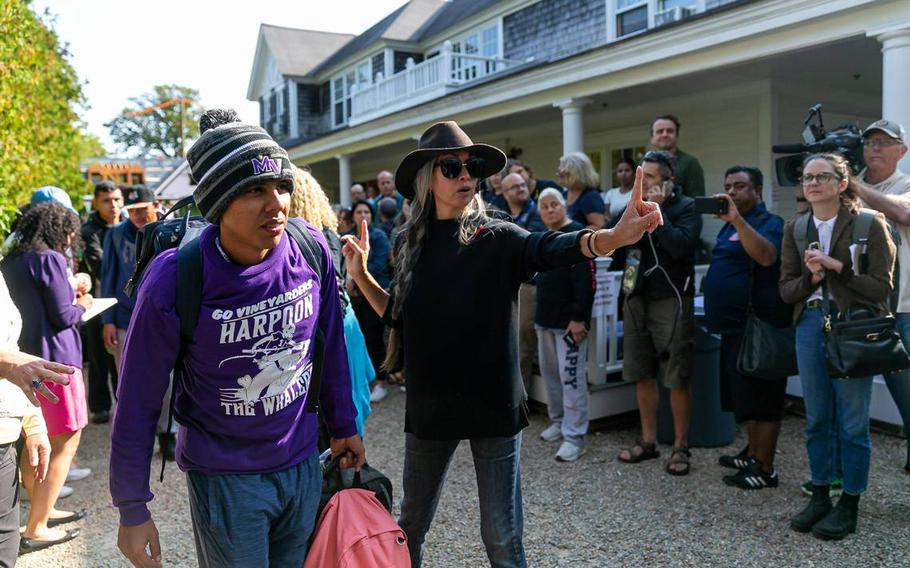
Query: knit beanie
230	156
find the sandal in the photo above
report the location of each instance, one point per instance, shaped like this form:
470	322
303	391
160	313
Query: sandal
640	452
679	457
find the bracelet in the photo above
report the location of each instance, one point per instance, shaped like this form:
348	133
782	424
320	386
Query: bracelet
591	245
591	248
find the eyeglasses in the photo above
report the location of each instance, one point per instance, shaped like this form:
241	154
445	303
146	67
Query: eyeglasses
881	142
451	167
821	178
521	185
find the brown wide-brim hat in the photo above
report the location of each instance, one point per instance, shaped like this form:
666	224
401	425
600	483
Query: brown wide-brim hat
439	138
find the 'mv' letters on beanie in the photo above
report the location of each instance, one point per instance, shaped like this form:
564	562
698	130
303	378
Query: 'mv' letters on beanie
230	156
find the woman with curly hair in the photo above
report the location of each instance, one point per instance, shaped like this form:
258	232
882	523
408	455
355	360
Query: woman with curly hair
36	272
311	204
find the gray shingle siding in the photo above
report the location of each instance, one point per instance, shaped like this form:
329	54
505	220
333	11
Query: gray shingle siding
309	112
553	29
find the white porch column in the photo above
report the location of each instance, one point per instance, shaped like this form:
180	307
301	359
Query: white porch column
573	128
344	179
896	79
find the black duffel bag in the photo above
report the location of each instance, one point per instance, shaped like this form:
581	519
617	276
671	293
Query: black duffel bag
860	343
335	479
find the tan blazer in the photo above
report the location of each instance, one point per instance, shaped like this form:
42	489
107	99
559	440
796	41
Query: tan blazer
847	287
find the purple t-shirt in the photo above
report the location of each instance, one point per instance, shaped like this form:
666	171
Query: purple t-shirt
40	288
242	407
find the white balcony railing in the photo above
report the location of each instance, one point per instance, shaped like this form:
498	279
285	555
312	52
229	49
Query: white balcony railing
421	82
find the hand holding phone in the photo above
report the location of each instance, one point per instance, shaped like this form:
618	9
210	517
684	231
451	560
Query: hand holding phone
711	206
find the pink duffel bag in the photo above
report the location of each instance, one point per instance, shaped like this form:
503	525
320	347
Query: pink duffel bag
356	531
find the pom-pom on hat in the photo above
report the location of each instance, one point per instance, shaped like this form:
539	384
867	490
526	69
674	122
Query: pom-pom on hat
229	157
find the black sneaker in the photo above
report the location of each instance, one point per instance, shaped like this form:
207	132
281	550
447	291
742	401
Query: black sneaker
739	461
752	477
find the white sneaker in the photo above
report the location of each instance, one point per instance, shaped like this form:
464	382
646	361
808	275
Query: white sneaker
65	492
569	452
552	433
78	473
378	394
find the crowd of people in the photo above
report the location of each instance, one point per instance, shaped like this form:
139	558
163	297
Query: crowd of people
462	259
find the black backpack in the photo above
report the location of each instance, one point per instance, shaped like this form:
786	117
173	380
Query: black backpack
183	233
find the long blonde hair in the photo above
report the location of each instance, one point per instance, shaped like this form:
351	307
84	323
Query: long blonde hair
414	236
310	203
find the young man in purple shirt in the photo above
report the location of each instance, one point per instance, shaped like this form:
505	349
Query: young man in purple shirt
245	438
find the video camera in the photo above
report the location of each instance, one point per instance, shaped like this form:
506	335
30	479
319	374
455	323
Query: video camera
845	140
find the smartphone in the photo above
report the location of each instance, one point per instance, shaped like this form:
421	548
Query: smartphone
711	205
569	340
815	246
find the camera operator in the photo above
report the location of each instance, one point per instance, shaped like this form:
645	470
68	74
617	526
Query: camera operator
887	189
744	270
657	315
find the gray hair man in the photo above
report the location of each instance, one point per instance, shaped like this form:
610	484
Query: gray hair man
885	188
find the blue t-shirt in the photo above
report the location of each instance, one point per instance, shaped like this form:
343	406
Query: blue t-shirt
726	285
588	202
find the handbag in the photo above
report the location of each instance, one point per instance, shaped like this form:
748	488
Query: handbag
860	343
767	351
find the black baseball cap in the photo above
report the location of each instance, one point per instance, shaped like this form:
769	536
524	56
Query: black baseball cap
138	196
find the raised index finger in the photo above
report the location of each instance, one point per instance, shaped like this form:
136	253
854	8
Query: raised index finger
636	197
364	234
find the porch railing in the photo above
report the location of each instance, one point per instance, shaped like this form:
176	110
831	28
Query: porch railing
420	82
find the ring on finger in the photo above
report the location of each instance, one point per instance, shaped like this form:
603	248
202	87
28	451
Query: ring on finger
37	383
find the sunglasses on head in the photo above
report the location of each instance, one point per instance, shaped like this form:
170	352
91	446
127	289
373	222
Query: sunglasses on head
451	167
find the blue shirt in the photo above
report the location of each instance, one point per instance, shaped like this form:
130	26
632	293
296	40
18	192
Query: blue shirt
727	283
529	218
117	264
588	202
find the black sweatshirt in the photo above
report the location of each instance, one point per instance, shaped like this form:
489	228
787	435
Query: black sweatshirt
460	328
565	294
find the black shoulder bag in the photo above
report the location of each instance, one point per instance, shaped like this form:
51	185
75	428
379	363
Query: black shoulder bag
767	351
859	342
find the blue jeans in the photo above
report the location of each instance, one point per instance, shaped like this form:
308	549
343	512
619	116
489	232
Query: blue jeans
899	383
496	462
836	409
255	519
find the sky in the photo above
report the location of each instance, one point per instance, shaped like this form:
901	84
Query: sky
122	48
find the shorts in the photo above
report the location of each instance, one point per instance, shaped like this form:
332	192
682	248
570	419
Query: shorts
658	340
71	413
748	398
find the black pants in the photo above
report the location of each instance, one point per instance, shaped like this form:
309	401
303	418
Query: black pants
102	372
373	334
9	506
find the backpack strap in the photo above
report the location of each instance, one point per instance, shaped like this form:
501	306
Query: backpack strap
187	304
314	256
801	232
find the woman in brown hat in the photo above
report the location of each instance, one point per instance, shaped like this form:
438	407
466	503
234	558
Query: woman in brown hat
453	307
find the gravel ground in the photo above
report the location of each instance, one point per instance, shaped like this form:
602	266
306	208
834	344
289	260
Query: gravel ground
592	513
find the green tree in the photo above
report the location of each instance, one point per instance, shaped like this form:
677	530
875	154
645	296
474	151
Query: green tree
39	98
89	145
151	124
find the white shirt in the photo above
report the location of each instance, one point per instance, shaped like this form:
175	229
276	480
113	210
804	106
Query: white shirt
899	185
825	230
615	200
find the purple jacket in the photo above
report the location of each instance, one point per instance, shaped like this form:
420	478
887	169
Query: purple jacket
39	286
242	407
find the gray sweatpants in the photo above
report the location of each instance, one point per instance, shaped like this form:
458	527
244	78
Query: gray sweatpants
564	373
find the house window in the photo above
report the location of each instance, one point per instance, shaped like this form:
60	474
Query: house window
483	43
631	16
343	88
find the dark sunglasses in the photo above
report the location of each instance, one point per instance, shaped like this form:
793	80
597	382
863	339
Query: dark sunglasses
451	167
